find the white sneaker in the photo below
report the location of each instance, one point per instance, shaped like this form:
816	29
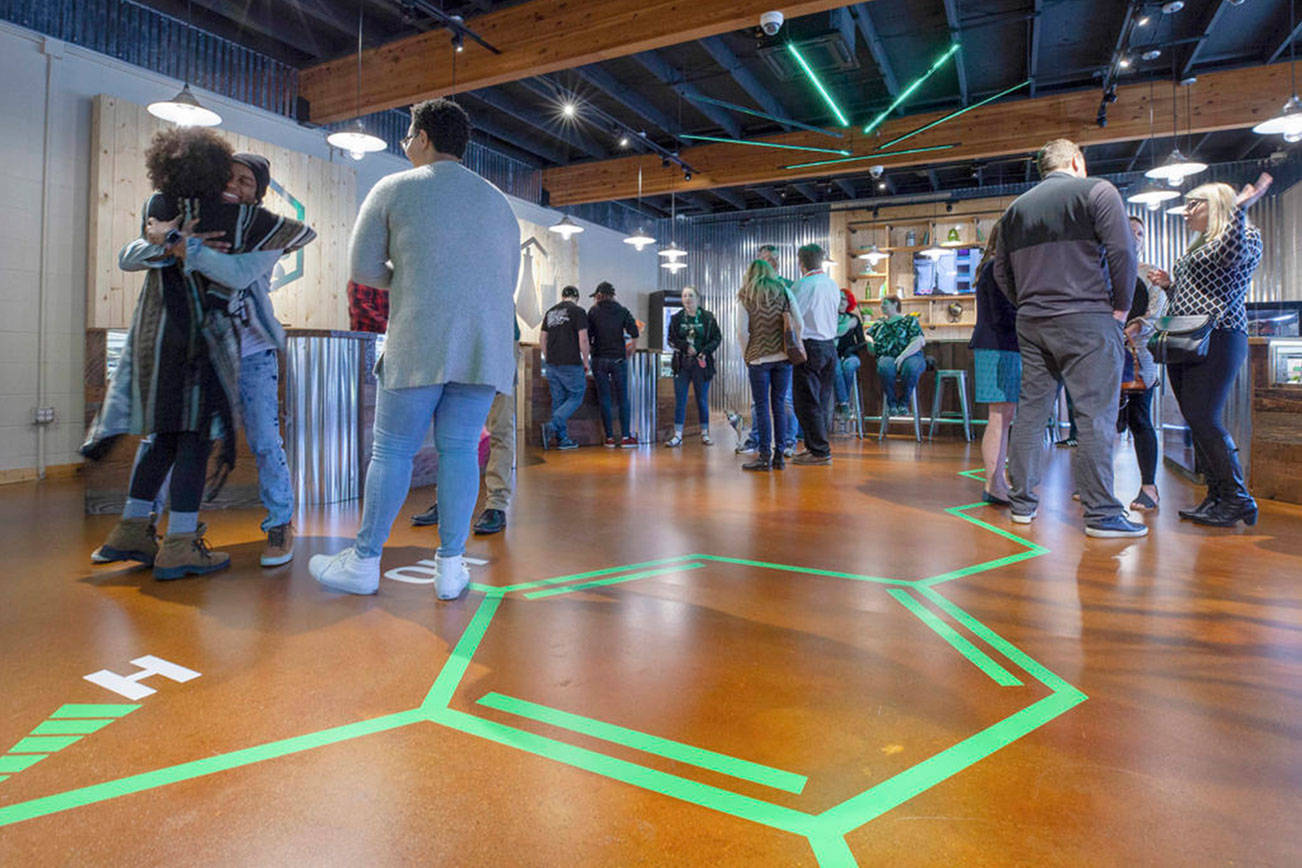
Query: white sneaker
705	438
451	577
1022	518
346	572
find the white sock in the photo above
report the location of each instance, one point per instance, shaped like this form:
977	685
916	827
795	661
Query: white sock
678	431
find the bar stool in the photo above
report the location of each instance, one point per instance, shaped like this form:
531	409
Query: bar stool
959	379
886	416
854	424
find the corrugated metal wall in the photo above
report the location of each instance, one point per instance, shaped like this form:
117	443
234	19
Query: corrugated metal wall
718	252
147	38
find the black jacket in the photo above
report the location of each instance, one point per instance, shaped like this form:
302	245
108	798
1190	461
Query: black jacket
996	318
709	343
608	320
850	343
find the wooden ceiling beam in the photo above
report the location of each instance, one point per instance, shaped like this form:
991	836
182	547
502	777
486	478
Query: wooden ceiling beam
1230	99
535	38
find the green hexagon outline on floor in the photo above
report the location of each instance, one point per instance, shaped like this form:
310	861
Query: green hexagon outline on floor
825	831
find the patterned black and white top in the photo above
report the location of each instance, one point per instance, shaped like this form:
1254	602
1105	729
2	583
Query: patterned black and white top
1213	278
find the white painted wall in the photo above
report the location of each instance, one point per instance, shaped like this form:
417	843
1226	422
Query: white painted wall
76	76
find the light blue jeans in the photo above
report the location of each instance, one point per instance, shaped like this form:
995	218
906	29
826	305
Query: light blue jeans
259	402
402	417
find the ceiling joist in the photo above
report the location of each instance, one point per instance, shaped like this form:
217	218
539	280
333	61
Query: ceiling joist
1231	99
535	38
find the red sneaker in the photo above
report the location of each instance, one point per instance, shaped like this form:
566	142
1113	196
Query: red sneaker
611	442
629	442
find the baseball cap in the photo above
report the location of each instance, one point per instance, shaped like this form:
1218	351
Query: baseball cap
570	292
603	288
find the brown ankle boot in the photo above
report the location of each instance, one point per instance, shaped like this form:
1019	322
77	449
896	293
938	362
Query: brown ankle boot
132	539
187	554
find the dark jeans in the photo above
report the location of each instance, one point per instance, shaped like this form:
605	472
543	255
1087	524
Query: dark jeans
813	389
1202	390
692	374
567	384
612	375
899	377
768	387
1084	351
185	454
1137	415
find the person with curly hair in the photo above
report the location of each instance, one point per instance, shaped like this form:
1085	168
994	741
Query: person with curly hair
177	380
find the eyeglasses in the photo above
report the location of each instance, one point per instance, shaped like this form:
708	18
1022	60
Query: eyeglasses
407	139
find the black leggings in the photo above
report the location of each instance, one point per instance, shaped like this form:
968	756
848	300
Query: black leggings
1203	388
1137	415
186	455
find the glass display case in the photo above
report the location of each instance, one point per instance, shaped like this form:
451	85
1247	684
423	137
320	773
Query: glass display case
1285	363
1272	322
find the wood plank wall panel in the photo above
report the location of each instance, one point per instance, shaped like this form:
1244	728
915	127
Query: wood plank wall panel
121	132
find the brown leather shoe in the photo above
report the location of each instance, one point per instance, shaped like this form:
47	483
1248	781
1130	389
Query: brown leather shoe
809	458
280	546
132	539
187	554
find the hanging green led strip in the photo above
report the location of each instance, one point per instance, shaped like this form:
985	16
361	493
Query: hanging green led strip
818	85
873	156
753	144
908	91
952	115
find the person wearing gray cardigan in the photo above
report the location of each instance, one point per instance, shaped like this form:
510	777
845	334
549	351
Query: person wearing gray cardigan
446	245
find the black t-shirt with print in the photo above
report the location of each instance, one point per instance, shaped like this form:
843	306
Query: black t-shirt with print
562	324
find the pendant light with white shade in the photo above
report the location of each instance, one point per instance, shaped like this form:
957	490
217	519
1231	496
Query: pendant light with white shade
184	109
873	255
566	228
673	253
1288	123
639	239
1152	196
1176	167
355	140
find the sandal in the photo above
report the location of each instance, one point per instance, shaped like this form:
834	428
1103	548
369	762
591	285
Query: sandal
1143	502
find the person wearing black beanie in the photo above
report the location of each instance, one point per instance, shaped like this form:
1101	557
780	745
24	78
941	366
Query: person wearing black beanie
260	166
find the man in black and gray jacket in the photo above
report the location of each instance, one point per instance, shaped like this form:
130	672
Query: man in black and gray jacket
1065	259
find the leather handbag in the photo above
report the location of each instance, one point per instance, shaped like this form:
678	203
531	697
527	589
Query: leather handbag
794	348
1180	340
1136	382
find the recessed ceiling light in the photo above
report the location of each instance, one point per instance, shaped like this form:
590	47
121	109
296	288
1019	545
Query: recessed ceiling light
1143	22
1173	7
569	109
1151	54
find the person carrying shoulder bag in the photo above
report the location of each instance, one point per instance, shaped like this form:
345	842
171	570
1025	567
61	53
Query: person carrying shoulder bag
694	334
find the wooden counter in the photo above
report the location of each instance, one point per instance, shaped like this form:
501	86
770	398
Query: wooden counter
1276	444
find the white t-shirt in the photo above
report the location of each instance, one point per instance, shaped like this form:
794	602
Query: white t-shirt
817	298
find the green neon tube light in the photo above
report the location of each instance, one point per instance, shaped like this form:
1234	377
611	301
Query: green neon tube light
908	91
818	85
952	115
873	156
763	144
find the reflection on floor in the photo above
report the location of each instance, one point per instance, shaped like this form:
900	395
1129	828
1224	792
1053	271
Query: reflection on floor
665	660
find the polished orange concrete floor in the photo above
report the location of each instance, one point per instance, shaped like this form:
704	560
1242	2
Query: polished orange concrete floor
924	687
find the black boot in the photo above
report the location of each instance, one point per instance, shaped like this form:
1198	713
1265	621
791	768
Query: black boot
761	463
1213	489
1234	504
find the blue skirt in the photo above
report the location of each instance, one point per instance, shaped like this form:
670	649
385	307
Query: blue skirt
998	376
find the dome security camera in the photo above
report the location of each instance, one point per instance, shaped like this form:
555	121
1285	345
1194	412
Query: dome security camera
876	171
771	22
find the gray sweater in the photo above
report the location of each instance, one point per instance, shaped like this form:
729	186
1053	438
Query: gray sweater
446	245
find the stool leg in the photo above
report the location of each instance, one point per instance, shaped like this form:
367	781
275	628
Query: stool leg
962	401
886	418
858	410
935	406
917	417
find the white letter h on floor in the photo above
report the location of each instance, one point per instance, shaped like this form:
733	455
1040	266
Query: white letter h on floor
128	686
